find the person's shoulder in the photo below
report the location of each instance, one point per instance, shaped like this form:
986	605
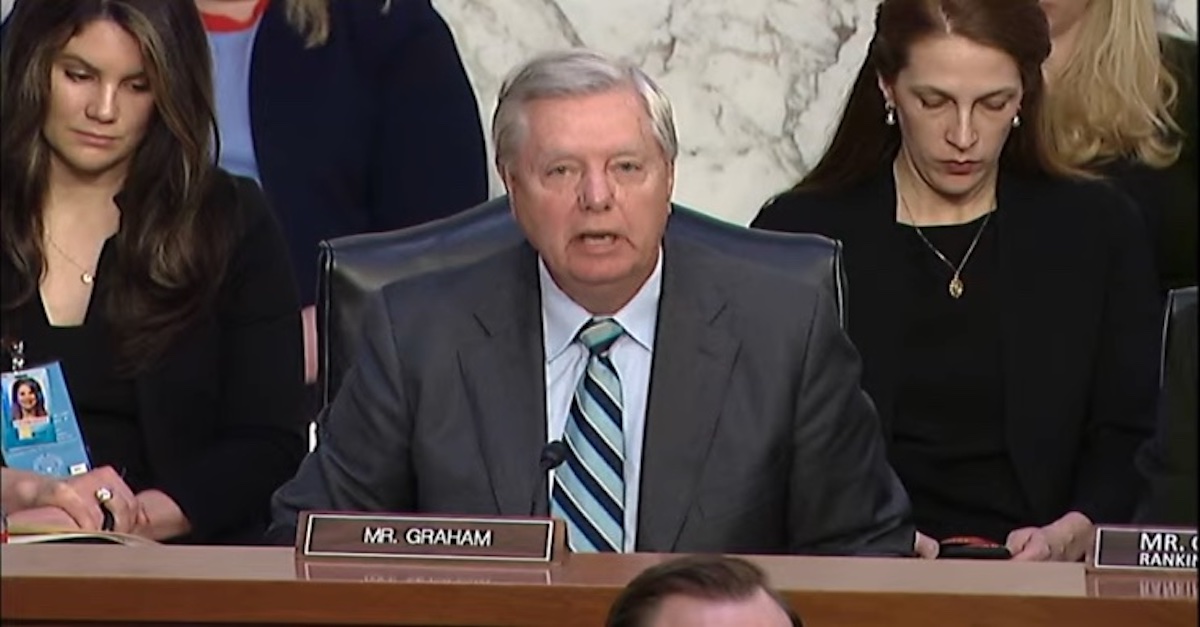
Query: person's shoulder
769	308
243	190
380	24
808	210
792	206
431	311
1077	203
239	228
236	203
380	9
456	286
1086	194
750	284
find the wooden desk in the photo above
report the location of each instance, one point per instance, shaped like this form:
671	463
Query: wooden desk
60	585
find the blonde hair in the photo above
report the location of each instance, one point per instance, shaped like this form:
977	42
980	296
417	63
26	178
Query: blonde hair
1113	96
310	18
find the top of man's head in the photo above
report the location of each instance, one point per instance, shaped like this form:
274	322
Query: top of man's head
576	72
701	591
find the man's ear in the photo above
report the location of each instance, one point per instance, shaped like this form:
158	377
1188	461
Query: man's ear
670	179
506	176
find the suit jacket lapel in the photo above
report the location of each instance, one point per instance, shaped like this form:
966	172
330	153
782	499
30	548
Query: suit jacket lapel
503	373
693	357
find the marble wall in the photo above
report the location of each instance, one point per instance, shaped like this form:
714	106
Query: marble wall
756	84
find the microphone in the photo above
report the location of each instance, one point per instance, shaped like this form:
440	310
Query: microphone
553	455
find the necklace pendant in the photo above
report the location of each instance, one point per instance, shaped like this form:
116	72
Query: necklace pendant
956	287
87	278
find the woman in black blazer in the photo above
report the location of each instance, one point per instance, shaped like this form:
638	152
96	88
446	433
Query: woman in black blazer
1006	312
159	282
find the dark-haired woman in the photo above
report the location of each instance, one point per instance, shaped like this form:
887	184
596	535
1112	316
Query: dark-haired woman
161	283
1005	307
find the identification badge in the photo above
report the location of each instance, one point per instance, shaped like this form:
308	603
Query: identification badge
40	430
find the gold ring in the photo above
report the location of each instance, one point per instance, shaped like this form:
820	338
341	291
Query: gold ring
104	495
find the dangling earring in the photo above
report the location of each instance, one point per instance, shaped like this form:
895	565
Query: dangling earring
1016	120
889	116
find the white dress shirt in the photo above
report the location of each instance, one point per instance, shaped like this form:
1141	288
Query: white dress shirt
631	355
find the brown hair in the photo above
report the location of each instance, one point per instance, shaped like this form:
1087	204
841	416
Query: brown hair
714	577
863	143
173	245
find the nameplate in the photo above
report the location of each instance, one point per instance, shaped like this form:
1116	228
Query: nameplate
1161	549
422	537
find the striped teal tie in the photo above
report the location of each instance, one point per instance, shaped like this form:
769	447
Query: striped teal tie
589	489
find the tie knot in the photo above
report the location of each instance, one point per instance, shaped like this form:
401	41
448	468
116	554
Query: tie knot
598	335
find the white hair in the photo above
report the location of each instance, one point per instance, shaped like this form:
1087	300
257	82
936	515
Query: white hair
576	72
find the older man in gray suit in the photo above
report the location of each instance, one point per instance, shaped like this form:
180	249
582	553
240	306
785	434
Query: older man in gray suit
706	404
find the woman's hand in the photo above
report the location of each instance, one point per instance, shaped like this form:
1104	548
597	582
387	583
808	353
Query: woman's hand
926	547
1064	540
163	519
33	498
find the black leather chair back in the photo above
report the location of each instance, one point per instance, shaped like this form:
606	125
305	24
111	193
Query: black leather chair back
354	267
1180	302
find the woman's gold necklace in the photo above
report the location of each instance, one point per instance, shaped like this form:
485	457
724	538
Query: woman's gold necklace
956	283
87	277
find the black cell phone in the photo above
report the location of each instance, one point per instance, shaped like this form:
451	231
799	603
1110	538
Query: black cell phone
972	548
966	551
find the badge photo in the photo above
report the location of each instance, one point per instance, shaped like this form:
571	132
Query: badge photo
28	417
40	431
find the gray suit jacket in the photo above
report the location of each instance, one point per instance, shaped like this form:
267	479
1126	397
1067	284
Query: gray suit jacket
758	438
